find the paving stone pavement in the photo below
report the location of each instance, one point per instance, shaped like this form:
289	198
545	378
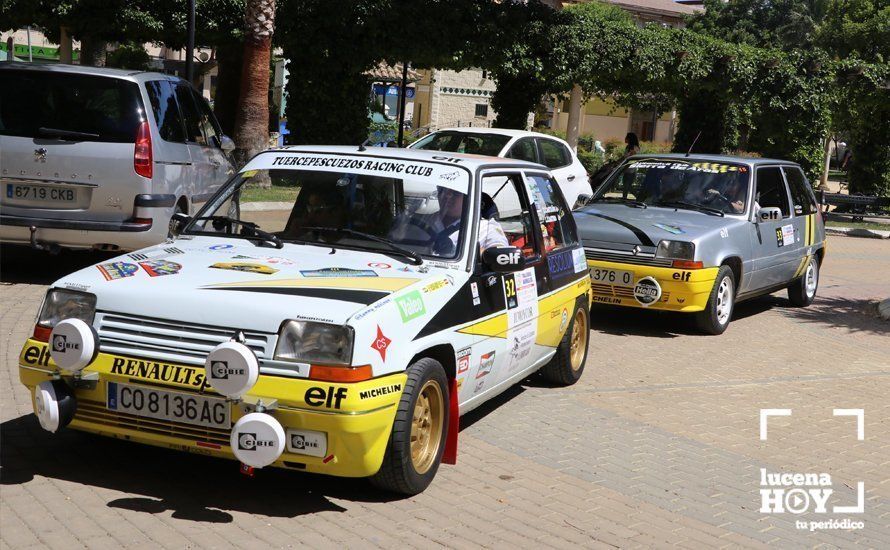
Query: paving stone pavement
658	444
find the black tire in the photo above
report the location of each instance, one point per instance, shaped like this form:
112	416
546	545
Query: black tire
561	369
715	318
800	294
170	226
398	472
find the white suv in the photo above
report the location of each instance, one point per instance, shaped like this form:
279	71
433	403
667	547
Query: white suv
550	151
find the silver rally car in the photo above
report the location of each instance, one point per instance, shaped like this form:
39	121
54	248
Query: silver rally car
697	234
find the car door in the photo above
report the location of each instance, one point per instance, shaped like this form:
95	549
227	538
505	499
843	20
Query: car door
773	242
505	340
202	169
804	209
172	155
564	258
221	166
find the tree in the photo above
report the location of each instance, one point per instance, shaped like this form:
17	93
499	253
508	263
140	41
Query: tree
251	127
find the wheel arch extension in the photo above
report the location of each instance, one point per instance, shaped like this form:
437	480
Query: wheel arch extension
735	264
444	354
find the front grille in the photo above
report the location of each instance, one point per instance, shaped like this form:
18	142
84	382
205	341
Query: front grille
626	257
95	412
171	341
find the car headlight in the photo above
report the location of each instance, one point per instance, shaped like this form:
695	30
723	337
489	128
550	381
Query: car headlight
311	342
675	250
60	304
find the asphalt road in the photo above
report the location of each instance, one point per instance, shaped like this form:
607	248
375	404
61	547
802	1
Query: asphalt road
657	445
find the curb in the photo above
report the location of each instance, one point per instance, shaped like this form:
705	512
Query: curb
858	232
884	309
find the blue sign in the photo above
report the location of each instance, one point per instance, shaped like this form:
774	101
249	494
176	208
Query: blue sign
381	89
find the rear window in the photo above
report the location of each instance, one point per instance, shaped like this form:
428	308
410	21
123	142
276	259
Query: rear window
73	107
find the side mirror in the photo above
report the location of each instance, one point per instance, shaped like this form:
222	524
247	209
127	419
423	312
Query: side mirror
582	201
226	143
503	259
769	214
178	223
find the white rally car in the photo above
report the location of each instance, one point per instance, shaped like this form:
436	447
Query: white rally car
341	333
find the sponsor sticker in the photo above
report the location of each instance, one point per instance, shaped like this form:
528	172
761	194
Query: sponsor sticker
245	267
158	268
647	291
379	265
381	343
579	260
673	229
411	306
561	263
307	442
474	290
377	392
486	363
338	272
787	235
564	320
117	270
463	360
220	247
330	397
436	285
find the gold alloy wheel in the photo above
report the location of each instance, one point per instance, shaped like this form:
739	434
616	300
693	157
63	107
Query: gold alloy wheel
579	340
426	426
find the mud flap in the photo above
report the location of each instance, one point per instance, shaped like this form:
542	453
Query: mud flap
449	456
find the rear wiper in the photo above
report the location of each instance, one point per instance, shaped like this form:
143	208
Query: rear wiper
414	256
257	233
691	206
66	134
628	202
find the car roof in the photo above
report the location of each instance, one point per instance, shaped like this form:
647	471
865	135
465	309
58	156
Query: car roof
503	131
473	162
752	161
81	69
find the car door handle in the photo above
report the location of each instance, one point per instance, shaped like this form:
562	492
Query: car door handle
215	163
571	178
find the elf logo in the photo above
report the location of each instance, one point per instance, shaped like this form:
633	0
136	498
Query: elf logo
331	397
681	276
508	258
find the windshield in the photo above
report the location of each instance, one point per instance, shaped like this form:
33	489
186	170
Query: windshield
464	142
693	184
399	207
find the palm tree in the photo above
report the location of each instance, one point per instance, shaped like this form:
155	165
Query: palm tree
252	121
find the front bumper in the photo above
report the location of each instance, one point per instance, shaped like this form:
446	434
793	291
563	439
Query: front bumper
357	430
684	290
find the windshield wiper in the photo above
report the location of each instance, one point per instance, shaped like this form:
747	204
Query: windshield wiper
415	257
628	202
691	206
66	134
254	228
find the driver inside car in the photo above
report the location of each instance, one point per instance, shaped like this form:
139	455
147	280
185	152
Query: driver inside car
733	194
447	224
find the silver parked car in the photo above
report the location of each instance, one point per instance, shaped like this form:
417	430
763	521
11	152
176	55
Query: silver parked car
102	158
697	234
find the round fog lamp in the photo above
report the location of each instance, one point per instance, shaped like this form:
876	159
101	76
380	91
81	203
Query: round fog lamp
232	369
257	439
54	404
73	344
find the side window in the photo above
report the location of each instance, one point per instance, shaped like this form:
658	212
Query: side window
557	226
190	114
166	110
771	190
801	194
208	121
554	154
505	202
524	149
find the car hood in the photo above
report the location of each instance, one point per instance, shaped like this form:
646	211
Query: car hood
601	224
233	283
